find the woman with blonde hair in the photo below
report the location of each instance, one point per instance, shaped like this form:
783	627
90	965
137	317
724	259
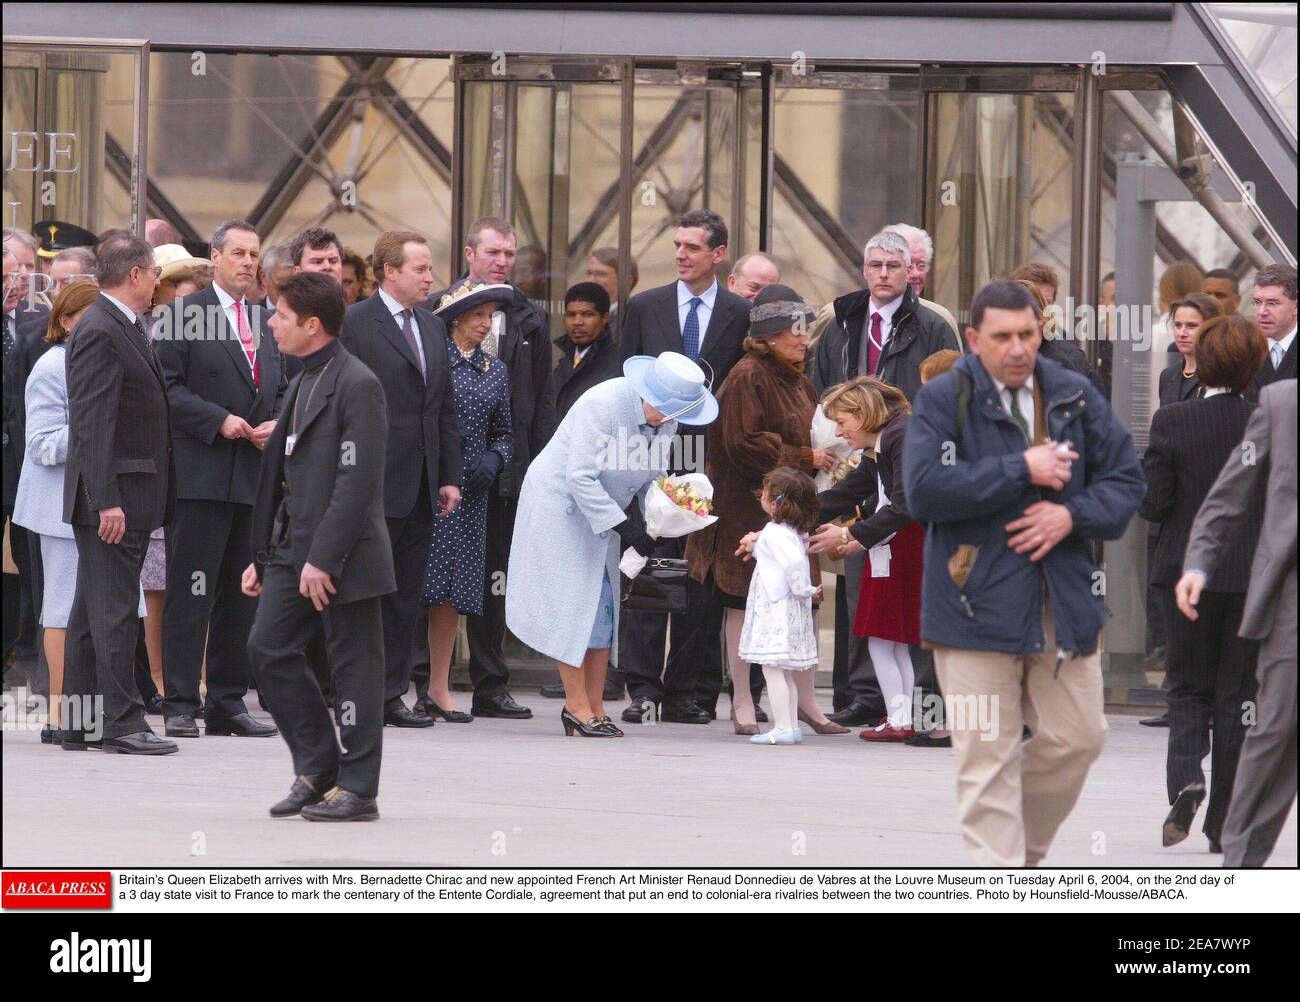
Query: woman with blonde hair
871	414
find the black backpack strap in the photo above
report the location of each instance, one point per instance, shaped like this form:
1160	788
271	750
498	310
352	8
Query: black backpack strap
963	401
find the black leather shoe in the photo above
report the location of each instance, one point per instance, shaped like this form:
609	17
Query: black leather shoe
684	711
140	743
181	727
49	736
641	711
593	728
339	804
77	741
241	725
925	739
306	790
501	706
1179	821
857	714
759	716
554	691
1160	721
397	715
154	706
433	711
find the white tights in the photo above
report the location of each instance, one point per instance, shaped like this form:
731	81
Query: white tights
893	664
784	697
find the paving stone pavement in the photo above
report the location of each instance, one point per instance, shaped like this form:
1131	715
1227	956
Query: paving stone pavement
518	793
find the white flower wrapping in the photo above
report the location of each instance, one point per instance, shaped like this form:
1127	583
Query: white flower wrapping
666	520
824	437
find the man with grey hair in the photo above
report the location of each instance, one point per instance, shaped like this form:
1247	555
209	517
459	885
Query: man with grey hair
921	257
225	389
884	331
274	267
119	485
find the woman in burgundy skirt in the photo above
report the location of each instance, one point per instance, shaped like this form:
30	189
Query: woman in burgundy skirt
870	413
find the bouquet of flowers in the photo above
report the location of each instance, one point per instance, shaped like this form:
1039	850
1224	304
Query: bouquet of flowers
674	506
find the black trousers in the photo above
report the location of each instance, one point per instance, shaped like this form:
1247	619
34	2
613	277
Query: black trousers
1211	677
354	638
102	633
410	538
853	676
487	633
695	656
29	591
212	539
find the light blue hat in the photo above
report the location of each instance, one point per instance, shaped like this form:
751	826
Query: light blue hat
673	385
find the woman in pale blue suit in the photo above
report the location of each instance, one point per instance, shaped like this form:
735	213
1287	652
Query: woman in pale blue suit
560	585
39	504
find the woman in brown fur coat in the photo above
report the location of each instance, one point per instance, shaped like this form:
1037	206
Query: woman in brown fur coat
765	416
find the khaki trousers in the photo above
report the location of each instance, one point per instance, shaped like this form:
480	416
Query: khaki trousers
1012	795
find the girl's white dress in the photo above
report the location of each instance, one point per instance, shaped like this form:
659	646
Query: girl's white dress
778	626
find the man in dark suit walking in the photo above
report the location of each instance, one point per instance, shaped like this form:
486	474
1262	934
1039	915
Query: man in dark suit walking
119	485
708	324
520	338
1266	772
1275	313
405	346
225	384
23	312
321	554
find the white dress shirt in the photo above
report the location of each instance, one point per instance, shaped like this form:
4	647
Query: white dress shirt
231	307
702	312
396	308
1277	350
886	312
1026	401
131	315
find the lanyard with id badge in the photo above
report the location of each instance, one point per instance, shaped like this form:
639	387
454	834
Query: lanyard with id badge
291	440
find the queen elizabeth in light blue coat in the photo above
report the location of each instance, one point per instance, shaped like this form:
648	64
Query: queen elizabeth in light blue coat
571	526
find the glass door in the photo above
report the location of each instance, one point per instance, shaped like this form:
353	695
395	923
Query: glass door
75	129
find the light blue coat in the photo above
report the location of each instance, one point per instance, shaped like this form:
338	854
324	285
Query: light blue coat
600	460
39	504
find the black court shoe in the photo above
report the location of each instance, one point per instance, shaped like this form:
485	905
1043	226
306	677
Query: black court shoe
1179	822
593	728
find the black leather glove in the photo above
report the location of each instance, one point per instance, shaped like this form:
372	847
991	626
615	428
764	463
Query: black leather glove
485	471
636	537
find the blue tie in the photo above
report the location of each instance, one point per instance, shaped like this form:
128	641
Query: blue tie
691	332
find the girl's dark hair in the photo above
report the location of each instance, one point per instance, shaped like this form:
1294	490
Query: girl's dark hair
798	506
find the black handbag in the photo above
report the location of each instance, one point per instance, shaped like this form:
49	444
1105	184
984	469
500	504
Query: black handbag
660	587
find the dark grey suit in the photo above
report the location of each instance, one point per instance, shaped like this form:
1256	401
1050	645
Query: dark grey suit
1211	668
209	378
423	455
1266	772
323	505
119	455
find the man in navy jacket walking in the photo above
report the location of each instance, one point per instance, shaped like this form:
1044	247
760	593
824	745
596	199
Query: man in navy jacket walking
1017	464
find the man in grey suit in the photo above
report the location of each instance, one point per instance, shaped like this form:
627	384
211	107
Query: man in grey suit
1266	772
321	553
119	485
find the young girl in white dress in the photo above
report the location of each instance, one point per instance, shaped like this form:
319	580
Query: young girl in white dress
779	632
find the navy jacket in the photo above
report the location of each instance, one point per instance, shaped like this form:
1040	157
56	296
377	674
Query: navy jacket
967	495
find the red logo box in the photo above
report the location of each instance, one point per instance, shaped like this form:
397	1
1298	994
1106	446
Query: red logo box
56	889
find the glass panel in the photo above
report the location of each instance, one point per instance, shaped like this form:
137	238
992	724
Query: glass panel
845	165
291	141
1158	241
70	136
1001	184
1264	35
